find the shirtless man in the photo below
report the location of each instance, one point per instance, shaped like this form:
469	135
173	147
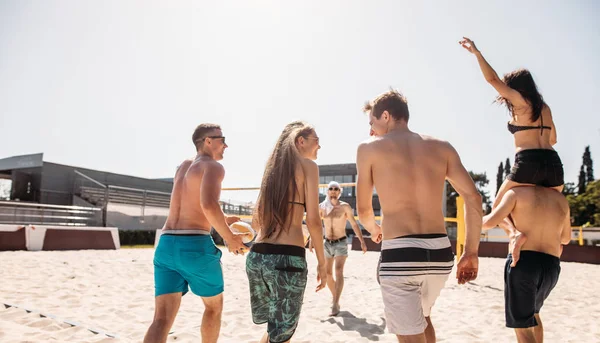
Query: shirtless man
542	216
335	213
186	254
409	170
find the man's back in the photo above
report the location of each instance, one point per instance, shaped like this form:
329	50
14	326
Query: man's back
409	171
541	214
185	212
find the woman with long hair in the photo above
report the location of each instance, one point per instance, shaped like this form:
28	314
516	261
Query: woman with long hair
276	264
536	162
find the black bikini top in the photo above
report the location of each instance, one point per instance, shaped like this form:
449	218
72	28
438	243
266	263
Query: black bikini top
515	128
299	203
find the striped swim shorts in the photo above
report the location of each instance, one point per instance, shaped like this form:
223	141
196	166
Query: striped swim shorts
412	273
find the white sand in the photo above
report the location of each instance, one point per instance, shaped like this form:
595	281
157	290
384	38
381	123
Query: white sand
112	291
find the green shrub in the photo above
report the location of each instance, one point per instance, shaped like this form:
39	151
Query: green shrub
137	237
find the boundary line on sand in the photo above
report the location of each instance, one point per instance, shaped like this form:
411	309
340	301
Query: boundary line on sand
68	322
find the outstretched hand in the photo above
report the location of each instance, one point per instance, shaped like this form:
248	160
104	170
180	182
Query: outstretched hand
469	45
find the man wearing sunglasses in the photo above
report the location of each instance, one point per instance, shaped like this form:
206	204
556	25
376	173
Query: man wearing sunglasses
186	256
335	213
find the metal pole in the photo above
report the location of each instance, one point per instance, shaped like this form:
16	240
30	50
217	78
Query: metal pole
444	195
105	207
143	220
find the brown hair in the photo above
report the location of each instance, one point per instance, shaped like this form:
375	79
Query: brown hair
201	131
278	185
522	81
391	101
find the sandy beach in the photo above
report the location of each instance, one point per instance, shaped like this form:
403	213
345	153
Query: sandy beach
88	296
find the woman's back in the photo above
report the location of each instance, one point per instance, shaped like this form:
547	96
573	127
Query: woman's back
276	264
291	233
540	134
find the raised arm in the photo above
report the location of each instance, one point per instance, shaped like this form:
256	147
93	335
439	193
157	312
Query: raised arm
313	219
507	204
491	76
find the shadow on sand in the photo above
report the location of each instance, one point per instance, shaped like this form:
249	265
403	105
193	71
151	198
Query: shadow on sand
349	322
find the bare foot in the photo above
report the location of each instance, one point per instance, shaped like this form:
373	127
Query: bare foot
335	310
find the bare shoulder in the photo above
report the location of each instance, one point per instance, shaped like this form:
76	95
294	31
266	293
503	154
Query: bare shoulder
182	169
369	145
346	206
214	164
213	167
309	166
546	110
517	191
434	140
523	193
437	144
185	165
551	193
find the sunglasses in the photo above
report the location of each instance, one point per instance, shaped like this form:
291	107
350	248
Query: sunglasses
334	189
215	137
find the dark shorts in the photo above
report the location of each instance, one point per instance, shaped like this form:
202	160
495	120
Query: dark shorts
541	167
277	277
527	285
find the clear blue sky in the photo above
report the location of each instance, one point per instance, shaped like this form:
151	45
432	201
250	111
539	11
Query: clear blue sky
120	86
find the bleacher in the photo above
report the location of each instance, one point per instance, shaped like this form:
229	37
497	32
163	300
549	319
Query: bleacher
121	195
12	212
129	196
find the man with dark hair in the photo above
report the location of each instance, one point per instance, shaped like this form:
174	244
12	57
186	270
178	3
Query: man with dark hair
203	131
186	256
409	172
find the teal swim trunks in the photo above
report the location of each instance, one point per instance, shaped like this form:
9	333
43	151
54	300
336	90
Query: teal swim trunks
182	261
277	276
